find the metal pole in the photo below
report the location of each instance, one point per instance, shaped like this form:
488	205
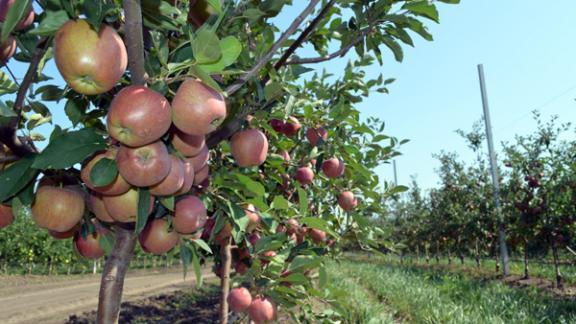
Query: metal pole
495	177
395	173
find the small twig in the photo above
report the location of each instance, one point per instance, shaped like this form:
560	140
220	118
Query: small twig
236	85
12	75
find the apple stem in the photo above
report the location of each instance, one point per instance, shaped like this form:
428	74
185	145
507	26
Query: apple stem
112	282
226	257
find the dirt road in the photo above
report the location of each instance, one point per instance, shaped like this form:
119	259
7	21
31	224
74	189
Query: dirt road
36	301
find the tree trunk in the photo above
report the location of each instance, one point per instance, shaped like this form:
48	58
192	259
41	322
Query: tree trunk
437	253
556	264
113	275
477	253
226	257
49	266
497	259
526	270
503	250
417	254
449	257
426	247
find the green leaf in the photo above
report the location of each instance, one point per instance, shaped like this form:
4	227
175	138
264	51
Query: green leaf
422	8
75	110
304	262
303	201
450	1
317	223
216	4
270	243
322	277
280	202
251	185
394	47
70	148
51	23
198	72
398	189
94	13
143	209
6	111
16	12
7	86
203	245
230	47
168	202
197	267
206	46
106	242
186	257
104	172
16	177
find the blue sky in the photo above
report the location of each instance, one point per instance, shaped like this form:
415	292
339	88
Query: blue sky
529	55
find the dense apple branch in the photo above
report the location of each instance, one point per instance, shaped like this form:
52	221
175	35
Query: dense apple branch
117	263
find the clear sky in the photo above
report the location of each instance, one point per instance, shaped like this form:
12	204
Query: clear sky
529	54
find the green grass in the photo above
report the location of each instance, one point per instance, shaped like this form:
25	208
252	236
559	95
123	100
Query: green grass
417	295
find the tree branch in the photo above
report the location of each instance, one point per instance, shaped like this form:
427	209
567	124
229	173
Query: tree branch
236	85
117	263
135	41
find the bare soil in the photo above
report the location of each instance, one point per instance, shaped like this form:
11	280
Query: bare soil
40	299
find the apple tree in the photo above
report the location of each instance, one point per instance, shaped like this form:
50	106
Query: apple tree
197	126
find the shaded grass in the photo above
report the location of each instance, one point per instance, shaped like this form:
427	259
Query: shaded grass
435	296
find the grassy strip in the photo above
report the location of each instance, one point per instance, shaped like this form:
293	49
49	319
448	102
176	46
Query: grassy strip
434	296
365	306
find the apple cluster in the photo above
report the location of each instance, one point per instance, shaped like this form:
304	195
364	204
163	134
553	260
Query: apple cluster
260	309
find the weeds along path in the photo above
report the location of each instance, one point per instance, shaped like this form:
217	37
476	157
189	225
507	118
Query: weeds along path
435	296
53	302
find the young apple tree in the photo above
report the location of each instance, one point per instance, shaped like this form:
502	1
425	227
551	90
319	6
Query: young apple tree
201	126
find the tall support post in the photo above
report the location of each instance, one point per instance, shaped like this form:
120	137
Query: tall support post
495	177
395	173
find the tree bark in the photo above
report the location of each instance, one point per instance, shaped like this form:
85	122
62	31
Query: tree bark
449	256
426	247
437	253
113	275
226	257
556	264
526	270
477	253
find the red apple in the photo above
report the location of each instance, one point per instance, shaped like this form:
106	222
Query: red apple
291	127
173	182
262	310
277	125
197	109
314	134
124	208
241	267
201	175
201	159
249	147
224	234
188	145
138	116
188	178
6	215
317	235
117	187
254	238
304	175
239	299
144	166
7	50
90	62
96	206
347	201
333	168
24	23
253	218
285	155
65	235
267	256
208	227
292	226
156	238
88	247
57	209
189	215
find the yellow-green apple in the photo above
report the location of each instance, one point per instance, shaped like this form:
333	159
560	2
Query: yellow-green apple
138	116
262	310
239	299
249	147
315	134
88	247
347	201
173	182
156	237
304	175
189	215
144	166
291	127
197	109
97	207
117	187
6	215
188	178
90	62
188	145
57	209
333	168
7	50
124	208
